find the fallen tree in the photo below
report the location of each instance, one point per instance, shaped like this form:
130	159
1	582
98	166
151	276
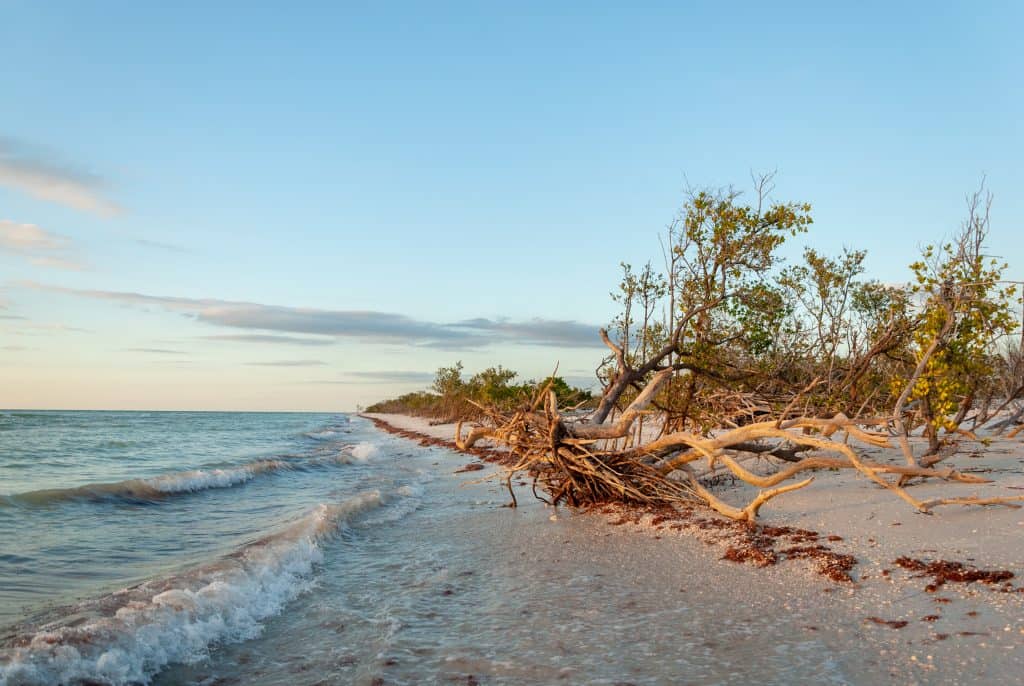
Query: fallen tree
574	464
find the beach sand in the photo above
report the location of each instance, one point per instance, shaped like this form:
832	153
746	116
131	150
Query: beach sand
910	626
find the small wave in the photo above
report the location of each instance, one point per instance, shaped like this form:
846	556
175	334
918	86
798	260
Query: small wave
364	451
325	434
200	480
140	630
410	502
351	454
151	489
115	443
360	452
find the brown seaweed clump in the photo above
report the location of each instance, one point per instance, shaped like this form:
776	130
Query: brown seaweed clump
427	441
943	571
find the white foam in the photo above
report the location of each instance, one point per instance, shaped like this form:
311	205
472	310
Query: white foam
325	434
411	490
364	451
177	619
350	454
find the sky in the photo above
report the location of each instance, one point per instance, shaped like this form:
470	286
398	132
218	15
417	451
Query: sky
312	206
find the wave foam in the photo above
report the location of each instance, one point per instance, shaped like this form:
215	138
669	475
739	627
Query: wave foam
201	479
153	488
176	619
364	451
358	453
326	434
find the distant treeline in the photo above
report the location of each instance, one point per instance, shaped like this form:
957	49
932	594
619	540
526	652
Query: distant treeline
451	397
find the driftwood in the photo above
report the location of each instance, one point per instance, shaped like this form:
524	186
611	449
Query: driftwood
577	463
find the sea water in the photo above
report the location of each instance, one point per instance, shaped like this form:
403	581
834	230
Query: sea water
251	548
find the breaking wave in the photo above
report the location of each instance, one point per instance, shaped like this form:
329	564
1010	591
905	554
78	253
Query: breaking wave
361	452
160	487
151	489
326	434
130	635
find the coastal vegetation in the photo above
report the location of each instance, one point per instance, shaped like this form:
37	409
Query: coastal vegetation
453	398
722	357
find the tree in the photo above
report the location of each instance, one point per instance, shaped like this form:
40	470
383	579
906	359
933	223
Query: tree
491	386
448	380
721	250
965	310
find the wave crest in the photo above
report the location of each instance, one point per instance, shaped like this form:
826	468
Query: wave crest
151	489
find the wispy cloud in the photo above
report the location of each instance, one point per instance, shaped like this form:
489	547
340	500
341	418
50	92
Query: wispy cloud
13	316
269	338
58	263
39	174
42	248
158	245
367	326
36	328
464	343
390	376
154	351
29	239
346	323
554	332
289	363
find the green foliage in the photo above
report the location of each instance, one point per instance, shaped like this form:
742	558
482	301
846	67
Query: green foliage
749	328
965	310
725	246
448	380
493	386
760	313
419	403
724	252
453	398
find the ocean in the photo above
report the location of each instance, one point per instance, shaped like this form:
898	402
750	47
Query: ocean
253	548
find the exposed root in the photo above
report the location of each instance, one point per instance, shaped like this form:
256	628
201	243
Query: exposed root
576	463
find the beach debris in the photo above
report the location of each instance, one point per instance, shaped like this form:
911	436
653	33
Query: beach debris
580	463
943	571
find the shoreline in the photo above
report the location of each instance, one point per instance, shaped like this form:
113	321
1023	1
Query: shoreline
885	585
849	532
758	545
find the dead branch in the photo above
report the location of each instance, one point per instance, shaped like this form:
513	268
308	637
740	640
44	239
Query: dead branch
578	463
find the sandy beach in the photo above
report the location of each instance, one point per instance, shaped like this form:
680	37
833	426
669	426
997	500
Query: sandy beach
919	623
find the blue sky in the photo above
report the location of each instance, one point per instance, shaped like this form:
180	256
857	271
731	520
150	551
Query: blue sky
316	205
